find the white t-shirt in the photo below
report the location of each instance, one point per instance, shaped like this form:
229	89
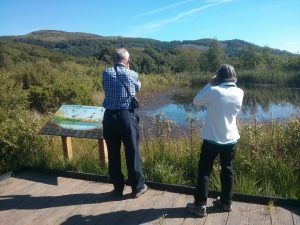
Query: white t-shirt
223	102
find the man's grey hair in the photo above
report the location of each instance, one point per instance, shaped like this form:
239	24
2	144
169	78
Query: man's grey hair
121	55
226	73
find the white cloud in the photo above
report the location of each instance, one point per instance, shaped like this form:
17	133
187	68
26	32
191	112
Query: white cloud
154	26
164	8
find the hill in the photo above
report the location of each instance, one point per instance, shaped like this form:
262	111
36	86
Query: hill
148	55
85	44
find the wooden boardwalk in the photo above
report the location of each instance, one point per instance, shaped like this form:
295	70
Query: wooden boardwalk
35	198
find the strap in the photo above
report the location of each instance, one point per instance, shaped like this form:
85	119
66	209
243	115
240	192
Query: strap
126	88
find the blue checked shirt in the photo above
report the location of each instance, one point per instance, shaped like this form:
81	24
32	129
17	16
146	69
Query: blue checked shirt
116	96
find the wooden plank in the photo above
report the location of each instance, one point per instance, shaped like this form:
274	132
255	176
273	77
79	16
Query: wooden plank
136	209
86	195
22	195
23	198
12	185
191	218
41	204
215	215
240	214
98	193
32	199
24	203
5	183
17	200
161	208
177	214
281	216
121	210
26	180
92	213
23	186
296	215
67	147
259	215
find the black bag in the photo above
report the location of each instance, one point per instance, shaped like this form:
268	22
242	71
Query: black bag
134	103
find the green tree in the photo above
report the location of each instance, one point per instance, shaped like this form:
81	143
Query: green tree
106	54
147	64
214	57
293	63
158	58
187	60
249	58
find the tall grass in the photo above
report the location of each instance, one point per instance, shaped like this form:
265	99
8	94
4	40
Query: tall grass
250	77
269	155
168	157
267	76
267	160
266	163
155	83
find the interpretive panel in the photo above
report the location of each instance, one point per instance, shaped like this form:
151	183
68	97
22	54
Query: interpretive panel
76	121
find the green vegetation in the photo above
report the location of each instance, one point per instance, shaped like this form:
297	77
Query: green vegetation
266	163
37	80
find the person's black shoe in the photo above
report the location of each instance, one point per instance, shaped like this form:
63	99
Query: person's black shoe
199	210
223	206
118	192
142	191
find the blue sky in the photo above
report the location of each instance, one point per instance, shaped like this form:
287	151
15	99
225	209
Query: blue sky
273	23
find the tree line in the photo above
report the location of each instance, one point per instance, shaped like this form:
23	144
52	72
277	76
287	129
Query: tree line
177	60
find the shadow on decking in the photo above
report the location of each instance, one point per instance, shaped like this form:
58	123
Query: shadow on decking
8	202
137	216
39	178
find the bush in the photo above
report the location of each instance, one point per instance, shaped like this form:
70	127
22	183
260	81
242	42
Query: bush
19	143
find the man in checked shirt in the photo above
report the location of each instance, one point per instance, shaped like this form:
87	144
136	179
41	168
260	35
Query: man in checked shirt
120	124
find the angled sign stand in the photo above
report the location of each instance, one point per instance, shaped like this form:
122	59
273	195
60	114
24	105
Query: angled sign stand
77	121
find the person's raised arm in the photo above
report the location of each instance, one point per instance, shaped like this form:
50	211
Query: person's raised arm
203	96
135	80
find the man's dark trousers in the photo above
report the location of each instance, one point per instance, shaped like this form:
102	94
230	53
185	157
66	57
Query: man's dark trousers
121	126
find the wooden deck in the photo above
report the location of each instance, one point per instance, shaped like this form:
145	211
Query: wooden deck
34	198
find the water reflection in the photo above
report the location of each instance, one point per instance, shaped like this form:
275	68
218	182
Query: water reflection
260	103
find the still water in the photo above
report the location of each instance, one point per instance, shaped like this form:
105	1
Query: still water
260	104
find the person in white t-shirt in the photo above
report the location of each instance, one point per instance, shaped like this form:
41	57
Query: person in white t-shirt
223	100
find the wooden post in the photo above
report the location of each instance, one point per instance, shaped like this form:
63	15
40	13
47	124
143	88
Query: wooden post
67	147
102	153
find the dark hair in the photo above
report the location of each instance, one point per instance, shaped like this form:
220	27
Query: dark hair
226	73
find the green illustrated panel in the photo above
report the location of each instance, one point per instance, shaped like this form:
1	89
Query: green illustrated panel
76	121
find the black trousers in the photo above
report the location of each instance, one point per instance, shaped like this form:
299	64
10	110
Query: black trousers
121	126
208	154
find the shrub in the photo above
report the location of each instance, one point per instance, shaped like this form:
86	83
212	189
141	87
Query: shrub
19	144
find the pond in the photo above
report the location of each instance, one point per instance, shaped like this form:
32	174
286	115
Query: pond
260	104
